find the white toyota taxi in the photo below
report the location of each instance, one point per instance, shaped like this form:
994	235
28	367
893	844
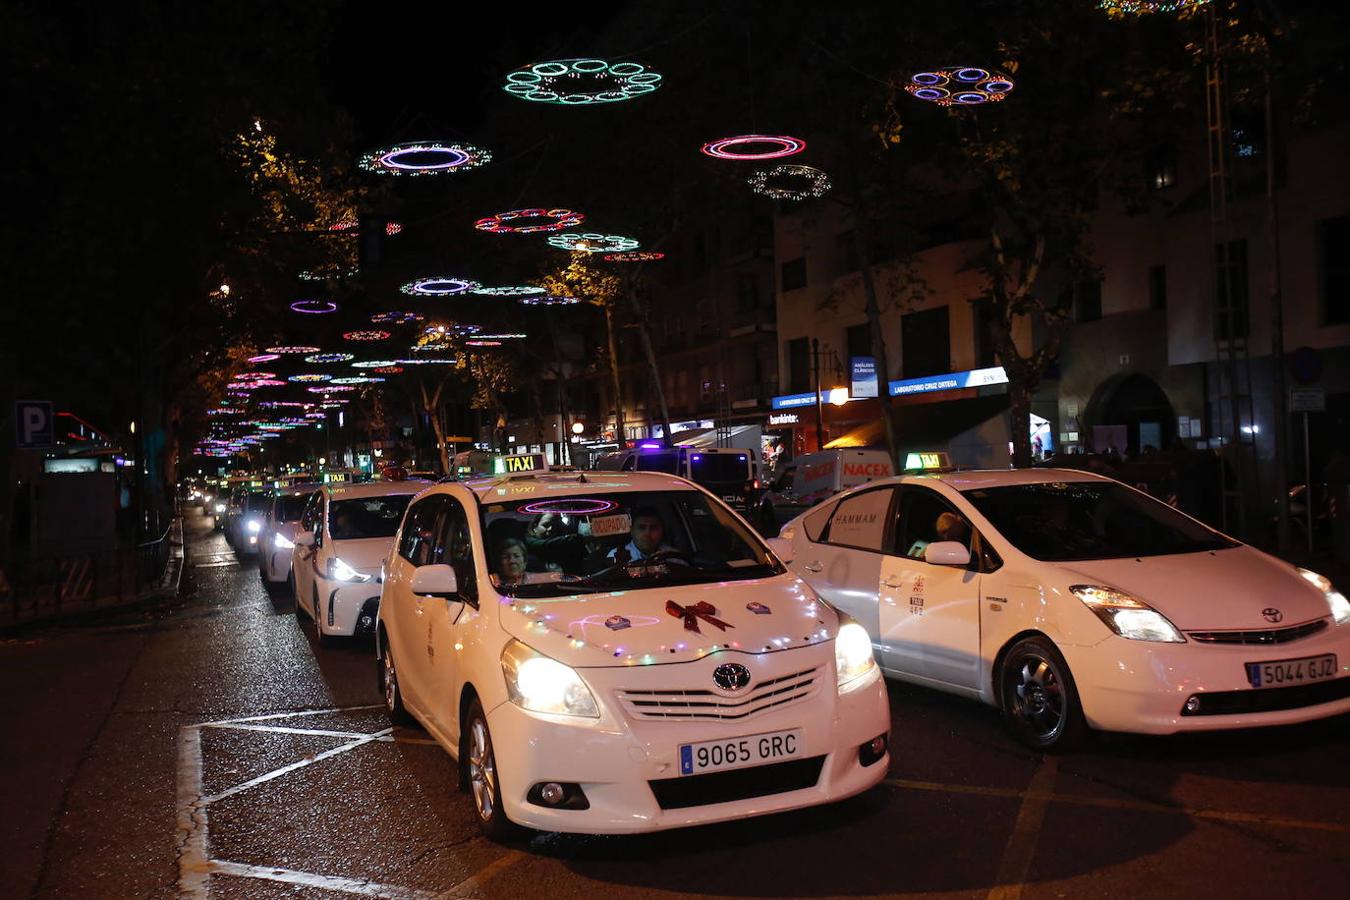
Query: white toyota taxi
610	652
276	539
346	532
1072	602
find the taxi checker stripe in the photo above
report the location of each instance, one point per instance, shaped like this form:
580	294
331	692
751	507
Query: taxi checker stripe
695	611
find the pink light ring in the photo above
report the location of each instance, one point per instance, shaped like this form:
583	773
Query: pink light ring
264	357
572	506
253	376
499	223
366	336
314	307
436	158
787	146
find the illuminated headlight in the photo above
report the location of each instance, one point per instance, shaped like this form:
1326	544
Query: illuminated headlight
1340	607
542	684
220	508
340	571
852	653
253	526
1127	616
281	542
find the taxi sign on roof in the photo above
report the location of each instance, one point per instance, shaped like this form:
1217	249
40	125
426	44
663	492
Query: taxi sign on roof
520	464
916	462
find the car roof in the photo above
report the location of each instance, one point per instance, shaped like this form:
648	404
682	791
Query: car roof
343	491
564	484
974	479
298	490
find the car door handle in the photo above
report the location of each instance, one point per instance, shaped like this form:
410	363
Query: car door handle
893	582
812	567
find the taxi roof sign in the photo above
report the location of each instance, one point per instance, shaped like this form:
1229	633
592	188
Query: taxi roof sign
921	462
520	464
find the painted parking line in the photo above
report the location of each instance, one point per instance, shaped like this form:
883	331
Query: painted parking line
1026	833
1211	815
356	886
298	764
470	886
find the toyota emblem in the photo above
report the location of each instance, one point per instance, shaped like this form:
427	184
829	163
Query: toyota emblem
1272	615
731	676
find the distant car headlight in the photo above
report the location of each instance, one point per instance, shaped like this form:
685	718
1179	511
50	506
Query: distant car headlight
253	526
340	571
1340	607
1127	616
542	684
220	508
852	653
281	542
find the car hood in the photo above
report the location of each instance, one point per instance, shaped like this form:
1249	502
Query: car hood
1218	590
624	628
364	554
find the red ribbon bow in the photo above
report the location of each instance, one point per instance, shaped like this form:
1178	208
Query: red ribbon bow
695	611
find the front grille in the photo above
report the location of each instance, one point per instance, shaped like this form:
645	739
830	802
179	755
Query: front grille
737	784
695	703
1266	636
1229	703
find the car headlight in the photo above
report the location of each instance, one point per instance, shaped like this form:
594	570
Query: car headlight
1127	616
281	542
220	508
253	526
340	571
1340	607
852	653
542	684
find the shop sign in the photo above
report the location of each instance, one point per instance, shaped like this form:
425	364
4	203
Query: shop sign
949	382
864	376
784	419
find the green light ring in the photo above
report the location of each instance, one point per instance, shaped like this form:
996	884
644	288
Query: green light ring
595	243
545	82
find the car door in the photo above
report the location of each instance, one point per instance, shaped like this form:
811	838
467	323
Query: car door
843	562
456	623
929	614
407	625
302	558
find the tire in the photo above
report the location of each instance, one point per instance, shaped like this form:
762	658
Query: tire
295	601
325	641
393	694
480	764
1039	699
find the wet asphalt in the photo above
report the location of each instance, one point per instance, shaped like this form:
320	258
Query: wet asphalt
125	771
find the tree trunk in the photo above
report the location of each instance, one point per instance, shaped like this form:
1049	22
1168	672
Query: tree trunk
564	415
431	403
1020	422
619	434
640	315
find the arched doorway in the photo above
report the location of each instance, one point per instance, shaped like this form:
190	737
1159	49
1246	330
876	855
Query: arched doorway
1136	403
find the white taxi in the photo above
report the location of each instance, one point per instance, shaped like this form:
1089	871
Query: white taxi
1072	602
276	538
346	532
612	652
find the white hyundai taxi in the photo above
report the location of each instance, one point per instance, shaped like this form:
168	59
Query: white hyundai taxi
609	652
1072	602
346	532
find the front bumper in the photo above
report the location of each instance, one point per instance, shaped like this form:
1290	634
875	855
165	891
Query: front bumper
1141	686
615	758
347	608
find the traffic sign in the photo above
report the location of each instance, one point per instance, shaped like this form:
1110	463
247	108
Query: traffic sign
1306	400
33	424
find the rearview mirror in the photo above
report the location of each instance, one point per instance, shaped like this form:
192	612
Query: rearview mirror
946	553
304	539
436	580
781	547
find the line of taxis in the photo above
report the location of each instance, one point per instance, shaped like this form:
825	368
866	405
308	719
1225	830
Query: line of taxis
616	652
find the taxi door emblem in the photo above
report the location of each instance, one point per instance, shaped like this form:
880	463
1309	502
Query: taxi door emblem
1272	615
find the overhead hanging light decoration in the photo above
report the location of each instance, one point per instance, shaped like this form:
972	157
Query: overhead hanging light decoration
330	388
1145	7
429	361
373	363
314	307
634	256
549	300
509	290
593	243
365	336
790	182
395	317
254	376
482	343
501	337
330	273
555	220
579	82
286	350
388	370
390	228
424	158
439	286
754	147
960	86
330	358
310	377
356	379
264	357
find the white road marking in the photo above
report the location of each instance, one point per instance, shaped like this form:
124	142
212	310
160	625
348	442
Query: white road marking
284	729
1026	832
293	715
193	879
299	764
470	886
326	882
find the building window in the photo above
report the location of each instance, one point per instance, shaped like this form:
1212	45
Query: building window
1333	250
1160	168
984	342
747	293
793	274
845	253
1157	287
1087	301
1231	298
799	365
858	340
925	339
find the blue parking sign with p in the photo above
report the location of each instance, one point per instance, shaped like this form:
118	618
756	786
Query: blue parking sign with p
33	424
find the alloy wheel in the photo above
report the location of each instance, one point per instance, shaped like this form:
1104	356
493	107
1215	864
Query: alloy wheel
482	770
1039	700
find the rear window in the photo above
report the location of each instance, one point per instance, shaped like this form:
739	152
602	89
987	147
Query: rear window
659	462
719	467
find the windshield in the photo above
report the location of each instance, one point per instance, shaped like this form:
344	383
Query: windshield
667	461
719	467
568	545
288	509
257	502
1084	520
367	517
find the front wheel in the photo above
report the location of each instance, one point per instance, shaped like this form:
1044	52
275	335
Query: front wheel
1039	699
480	762
325	641
393	695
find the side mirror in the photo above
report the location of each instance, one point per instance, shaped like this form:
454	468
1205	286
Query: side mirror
304	539
435	580
781	547
946	553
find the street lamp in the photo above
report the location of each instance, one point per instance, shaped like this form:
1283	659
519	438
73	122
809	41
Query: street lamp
578	427
839	396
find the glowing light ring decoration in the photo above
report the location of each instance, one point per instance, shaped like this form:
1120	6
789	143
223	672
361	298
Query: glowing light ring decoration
393	228
396	160
593	243
580	506
434	361
482	343
394	317
316	415
374	363
510	290
817	182
264	357
787	146
320	358
500	337
452	330
634	256
283	404
314	307
309	377
325	275
356	379
499	223
260	383
254	376
366	336
282	351
330	388
549	82
549	300
960	86
225	411
439	287
1147	7
388	370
